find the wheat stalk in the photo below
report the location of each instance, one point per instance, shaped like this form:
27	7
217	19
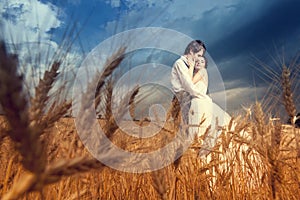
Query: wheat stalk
275	168
31	182
159	183
55	113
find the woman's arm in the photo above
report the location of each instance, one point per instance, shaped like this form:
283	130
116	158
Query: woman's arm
200	76
197	77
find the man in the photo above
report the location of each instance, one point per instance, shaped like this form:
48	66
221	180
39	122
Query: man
181	80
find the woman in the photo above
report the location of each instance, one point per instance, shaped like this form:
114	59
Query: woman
204	114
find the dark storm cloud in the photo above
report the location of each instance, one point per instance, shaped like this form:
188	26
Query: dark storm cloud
277	24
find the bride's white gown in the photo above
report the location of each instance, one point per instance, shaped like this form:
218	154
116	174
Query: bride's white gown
205	108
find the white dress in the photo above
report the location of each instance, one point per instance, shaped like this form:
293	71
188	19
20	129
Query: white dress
205	108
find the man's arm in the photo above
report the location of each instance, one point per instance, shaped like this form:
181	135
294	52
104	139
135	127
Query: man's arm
191	68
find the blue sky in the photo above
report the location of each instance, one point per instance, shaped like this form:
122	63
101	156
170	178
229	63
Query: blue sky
234	31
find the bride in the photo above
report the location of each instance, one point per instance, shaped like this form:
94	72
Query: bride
204	114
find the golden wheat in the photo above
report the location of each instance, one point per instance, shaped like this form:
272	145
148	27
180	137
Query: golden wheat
287	93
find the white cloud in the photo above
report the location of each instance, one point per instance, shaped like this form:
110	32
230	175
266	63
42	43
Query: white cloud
243	96
137	4
74	2
28	21
26	30
115	3
238	97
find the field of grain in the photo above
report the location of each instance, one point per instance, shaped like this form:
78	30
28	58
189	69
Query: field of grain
268	169
42	156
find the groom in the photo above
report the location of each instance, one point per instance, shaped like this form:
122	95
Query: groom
182	84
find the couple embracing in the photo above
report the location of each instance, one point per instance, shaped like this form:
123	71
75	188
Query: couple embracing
189	80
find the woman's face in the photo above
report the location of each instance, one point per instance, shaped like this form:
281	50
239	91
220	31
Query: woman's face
201	62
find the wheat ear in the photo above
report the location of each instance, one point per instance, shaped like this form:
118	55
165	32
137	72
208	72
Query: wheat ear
111	126
259	118
39	102
15	106
287	93
110	65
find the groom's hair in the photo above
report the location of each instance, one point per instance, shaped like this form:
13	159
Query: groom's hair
194	46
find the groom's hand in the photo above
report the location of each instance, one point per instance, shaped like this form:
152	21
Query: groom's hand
191	62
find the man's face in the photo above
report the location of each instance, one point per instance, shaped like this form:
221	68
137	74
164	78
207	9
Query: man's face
198	55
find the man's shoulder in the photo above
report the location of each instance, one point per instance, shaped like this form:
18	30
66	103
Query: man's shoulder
179	61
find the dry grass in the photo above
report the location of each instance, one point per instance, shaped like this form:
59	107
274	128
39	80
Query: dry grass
42	156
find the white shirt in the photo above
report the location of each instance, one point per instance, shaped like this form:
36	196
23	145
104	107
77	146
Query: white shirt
181	81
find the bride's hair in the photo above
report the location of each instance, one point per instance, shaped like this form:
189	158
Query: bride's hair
206	62
194	46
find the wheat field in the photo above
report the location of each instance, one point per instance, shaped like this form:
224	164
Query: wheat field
42	156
